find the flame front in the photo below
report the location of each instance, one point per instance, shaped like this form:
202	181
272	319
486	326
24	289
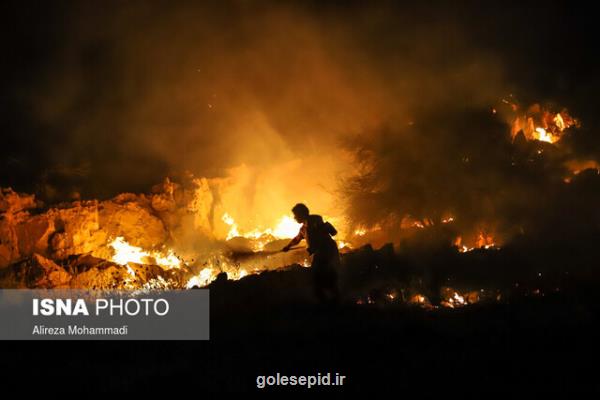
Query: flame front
286	228
233	229
126	253
210	273
540	124
482	241
543	136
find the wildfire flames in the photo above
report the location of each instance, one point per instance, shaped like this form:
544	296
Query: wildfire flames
536	123
209	274
286	228
449	298
541	124
126	253
483	241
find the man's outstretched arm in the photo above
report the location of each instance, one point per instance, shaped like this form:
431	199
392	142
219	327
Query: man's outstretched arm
294	241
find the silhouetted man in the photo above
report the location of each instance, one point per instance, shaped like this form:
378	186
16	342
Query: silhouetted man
325	256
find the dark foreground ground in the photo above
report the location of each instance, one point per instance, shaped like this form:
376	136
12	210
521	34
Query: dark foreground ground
269	323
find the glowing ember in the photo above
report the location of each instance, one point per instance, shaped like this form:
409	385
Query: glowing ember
455	300
418	299
158	283
409	222
577	166
391	296
452	298
482	241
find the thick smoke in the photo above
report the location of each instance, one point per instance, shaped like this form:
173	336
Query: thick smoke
287	100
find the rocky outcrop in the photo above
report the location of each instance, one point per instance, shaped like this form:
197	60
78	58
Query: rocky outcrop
78	228
14	214
171	215
69	244
12	202
87	272
36	272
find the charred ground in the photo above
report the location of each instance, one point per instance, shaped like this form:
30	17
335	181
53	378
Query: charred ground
540	335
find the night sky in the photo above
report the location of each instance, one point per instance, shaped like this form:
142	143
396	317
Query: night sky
112	96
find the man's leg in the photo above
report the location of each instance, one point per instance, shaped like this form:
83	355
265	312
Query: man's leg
319	266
